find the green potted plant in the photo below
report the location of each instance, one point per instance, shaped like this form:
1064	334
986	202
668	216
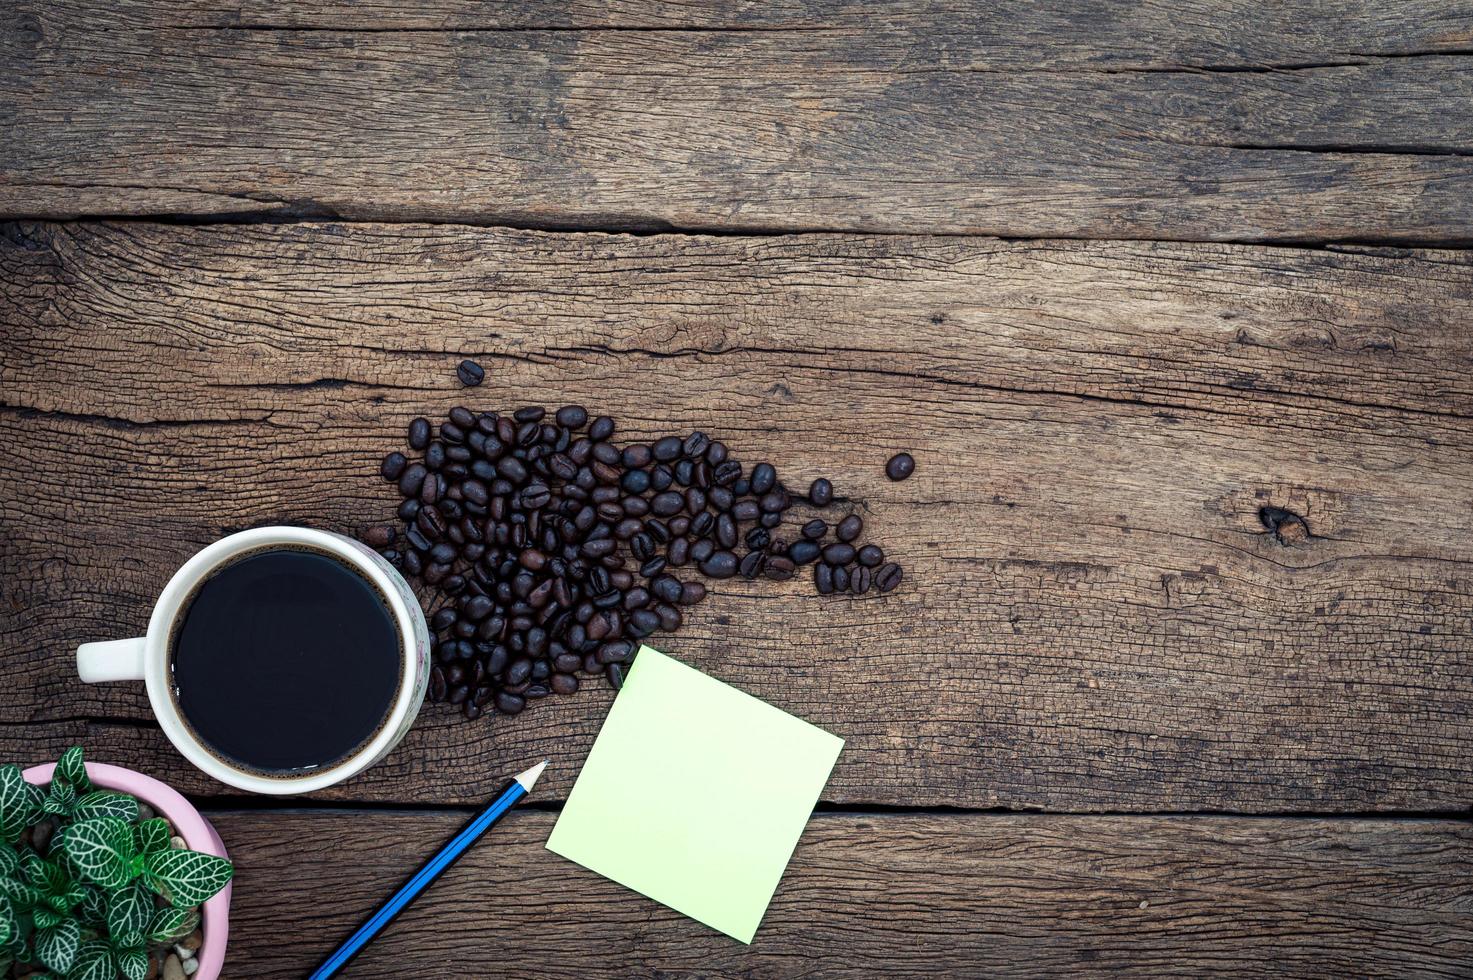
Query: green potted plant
93	885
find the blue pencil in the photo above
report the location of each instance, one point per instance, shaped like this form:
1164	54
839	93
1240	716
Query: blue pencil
519	787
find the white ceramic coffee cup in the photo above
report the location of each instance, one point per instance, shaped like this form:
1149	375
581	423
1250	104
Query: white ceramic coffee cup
146	658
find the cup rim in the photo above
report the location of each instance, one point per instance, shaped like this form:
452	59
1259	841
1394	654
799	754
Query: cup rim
168	606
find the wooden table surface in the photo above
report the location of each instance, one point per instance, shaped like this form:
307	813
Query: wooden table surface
1121	276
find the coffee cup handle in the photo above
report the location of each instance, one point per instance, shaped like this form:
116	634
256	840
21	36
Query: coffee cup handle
111	660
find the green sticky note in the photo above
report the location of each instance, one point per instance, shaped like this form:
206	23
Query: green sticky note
695	794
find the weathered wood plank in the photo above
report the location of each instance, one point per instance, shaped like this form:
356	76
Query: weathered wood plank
892	896
1136	122
1094	615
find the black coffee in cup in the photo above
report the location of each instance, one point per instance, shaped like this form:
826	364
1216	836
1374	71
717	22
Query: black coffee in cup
284	660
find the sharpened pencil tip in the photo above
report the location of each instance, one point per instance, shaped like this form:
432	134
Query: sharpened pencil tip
528	779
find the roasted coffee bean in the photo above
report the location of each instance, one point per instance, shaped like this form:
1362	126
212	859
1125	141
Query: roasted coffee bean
667	588
616	676
670	617
859	580
763	478
679	525
642	546
839	553
527	434
532	413
716	453
392	466
815	529
435	455
452	433
841	578
520	670
870	555
635	481
442	620
615	651
746	510
666	449
419	433
429	490
532	560
379	536
741	487
642	622
470	373
443	553
888	577
774	503
657	529
660	477
820	492
627	528
900	466
702	550
700	476
462	417
572	416
751	565
678	553
635	506
437	684
695	501
607	453
823	579
412	479
567	662
610	511
413	564
682	472
636	598
455	674
850	527
721	564
721	497
512	469
562	466
702	524
605	473
692	593
534	496
726	474
653	567
758	538
509	704
695	444
667	503
564	683
779	567
637	455
477	608
463	629
771	520
726	531
435	573
601	429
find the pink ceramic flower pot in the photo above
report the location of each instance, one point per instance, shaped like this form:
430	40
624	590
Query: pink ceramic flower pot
187	823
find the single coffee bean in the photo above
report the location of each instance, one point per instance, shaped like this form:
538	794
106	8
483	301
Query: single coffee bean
615	675
774	503
643	622
607	453
667	449
741	487
535	496
635	506
702	550
637	456
870	555
820	492
758	538
392	466
670	617
443	553
419	433
667	503
477	608
667	588
716	453
463	416
564	683
721	497
572	416
841	578
450	432
682	472
660	477
850	527
636	598
532	413
520	670
509	704
601	429
725	474
900	466
435	454
429	490
888	577
721	564
512	469
470	373
413	564
823	579
412	479
779	567
764	478
615	651
678	553
695	444
859	580
839	553
771	520
657	529
562	466
815	529
692	593
380	536
695	501
437	684
442	620
635	481
627	528
653	567
726	531
751	565
745	510
702	524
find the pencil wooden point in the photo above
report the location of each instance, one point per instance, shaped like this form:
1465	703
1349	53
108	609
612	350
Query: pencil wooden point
529	778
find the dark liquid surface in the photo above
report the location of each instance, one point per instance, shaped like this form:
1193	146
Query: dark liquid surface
285	660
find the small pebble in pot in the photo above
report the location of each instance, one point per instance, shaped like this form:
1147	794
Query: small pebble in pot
900	466
470	373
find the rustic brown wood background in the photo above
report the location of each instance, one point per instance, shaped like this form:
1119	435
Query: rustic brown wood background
1119	274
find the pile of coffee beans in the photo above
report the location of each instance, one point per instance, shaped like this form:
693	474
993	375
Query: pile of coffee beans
550	551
